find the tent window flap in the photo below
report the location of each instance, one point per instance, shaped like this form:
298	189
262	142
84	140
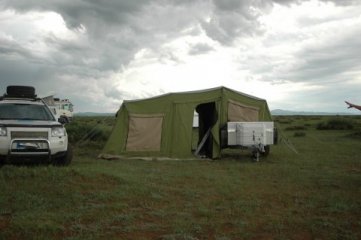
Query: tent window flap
241	113
144	132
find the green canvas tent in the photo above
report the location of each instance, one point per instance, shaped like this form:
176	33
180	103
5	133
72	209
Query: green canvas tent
162	126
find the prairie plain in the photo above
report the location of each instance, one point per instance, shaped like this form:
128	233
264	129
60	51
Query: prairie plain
309	187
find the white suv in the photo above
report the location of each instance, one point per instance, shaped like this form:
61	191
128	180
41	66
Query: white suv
29	131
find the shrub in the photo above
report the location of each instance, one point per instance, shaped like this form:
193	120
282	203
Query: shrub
355	135
86	131
284	121
336	124
292	128
299	134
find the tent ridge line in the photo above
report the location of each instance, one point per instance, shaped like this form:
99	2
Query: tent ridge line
221	88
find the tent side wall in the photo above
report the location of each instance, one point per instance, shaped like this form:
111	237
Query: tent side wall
117	139
180	139
117	142
264	113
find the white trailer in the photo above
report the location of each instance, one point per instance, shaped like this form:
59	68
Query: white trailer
60	107
257	136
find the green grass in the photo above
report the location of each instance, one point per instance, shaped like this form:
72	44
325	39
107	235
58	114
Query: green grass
314	194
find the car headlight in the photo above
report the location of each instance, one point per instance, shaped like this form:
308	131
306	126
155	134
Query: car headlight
58	132
3	131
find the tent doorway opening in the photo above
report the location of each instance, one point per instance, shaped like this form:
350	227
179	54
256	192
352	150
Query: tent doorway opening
207	117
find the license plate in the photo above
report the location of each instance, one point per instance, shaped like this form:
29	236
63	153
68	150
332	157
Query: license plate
29	145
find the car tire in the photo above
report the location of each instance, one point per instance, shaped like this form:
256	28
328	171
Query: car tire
66	159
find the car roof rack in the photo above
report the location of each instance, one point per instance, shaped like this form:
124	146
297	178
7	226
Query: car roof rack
14	97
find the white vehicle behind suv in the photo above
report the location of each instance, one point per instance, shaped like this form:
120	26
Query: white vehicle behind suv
29	130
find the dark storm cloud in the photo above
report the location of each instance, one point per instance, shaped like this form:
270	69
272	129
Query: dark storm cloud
19	72
228	19
110	33
343	2
231	19
12	49
14	69
78	12
115	30
109	39
102	17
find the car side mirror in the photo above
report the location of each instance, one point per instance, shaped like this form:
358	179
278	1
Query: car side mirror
62	120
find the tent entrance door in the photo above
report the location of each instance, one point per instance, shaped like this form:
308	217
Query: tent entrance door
207	117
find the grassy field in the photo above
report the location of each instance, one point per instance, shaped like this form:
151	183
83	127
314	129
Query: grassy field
309	187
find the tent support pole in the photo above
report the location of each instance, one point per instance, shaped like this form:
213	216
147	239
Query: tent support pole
204	139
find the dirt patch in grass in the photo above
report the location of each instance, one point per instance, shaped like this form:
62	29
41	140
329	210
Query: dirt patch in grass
5	219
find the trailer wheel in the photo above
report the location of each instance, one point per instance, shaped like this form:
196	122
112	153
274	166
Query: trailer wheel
2	162
267	149
255	155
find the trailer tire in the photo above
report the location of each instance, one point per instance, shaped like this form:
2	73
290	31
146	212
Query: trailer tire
267	150
2	162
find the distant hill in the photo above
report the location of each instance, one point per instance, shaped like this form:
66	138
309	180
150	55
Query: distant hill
92	114
280	112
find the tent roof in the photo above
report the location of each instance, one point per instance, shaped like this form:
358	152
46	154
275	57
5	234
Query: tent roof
194	92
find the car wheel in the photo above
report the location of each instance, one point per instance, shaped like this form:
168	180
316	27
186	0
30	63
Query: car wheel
66	159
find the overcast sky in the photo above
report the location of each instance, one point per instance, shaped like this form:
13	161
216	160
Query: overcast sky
298	55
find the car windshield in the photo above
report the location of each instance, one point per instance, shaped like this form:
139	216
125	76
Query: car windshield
15	111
